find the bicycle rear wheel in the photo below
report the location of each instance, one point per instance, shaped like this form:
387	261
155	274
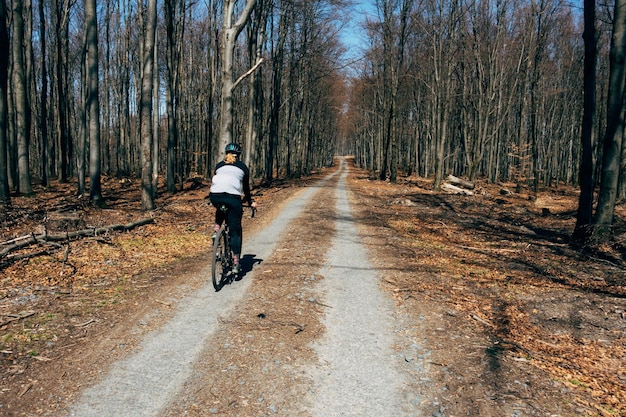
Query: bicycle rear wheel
221	255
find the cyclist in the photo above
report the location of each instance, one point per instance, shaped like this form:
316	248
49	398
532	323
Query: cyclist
231	180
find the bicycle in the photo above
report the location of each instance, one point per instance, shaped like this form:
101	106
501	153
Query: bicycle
222	259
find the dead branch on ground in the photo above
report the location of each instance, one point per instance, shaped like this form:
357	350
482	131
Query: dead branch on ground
44	238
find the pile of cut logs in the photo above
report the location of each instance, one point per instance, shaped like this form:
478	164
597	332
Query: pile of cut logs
455	185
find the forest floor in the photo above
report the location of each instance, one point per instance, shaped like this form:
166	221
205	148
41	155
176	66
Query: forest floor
511	320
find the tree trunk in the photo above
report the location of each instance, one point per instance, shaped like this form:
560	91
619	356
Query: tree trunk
172	60
62	11
29	59
444	37
612	145
5	196
469	185
125	151
256	40
93	102
585	201
43	117
155	120
621	188
230	32
147	191
81	140
394	33
106	112
22	108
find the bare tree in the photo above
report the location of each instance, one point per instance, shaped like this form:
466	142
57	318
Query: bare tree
107	118
394	30
230	31
278	58
81	137
93	102
124	62
613	138
175	19
146	107
93	117
5	196
444	39
256	37
155	117
62	10
486	98
488	89
585	201
22	108
43	116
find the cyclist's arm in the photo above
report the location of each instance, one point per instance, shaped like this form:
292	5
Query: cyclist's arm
246	190
246	185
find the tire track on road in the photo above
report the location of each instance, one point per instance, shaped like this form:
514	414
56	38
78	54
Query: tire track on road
358	370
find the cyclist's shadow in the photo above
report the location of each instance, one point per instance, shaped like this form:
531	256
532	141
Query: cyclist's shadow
247	263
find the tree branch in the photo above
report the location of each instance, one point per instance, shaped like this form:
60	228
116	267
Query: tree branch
36	239
243	18
247	73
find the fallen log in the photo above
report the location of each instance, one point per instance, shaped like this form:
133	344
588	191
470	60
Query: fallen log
453	189
459	182
33	239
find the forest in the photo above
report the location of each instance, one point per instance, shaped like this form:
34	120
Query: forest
522	91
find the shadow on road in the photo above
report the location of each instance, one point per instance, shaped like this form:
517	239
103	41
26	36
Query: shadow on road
247	263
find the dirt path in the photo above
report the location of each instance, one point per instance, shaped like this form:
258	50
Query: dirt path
146	382
351	370
358	370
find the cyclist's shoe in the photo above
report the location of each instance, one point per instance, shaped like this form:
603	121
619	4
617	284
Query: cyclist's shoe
236	269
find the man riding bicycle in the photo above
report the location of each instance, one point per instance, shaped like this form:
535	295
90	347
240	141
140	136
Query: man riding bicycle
231	180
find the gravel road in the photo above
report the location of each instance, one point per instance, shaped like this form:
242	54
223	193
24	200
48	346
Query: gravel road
359	373
356	375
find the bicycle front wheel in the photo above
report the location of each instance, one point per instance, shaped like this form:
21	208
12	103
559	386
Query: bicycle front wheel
219	260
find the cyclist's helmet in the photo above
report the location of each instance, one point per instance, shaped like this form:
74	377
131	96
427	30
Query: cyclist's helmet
233	148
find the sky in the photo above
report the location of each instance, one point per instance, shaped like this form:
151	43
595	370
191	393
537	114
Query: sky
353	36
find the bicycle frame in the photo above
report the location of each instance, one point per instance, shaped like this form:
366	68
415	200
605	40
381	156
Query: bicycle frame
222	260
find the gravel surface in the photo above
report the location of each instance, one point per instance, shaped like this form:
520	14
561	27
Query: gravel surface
358	372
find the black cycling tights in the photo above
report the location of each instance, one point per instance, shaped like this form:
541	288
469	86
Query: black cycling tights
235	213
